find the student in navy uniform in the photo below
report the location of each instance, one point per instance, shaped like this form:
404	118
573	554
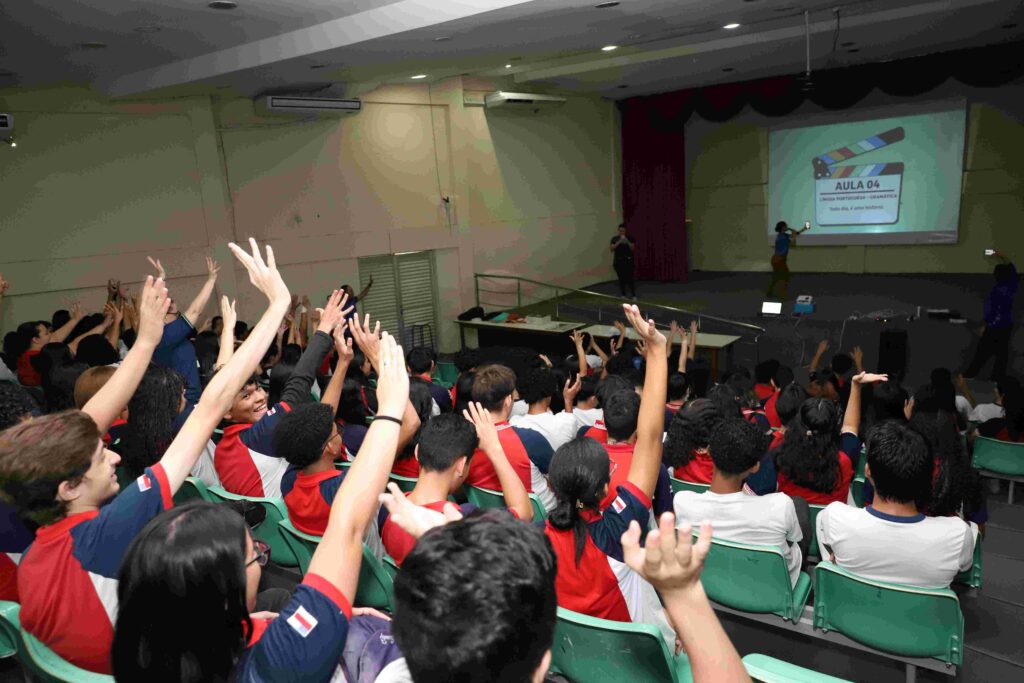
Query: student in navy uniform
624	248
199	565
422	362
245	459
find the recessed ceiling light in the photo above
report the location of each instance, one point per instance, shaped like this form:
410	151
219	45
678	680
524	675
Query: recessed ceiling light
729	27
1008	26
609	48
848	43
442	39
147	29
223	4
728	69
607	5
418	77
92	45
852	50
508	66
318	66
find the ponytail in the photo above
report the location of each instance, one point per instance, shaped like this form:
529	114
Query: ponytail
578	476
567	516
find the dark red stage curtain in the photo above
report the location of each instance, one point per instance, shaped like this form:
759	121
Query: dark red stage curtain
654	191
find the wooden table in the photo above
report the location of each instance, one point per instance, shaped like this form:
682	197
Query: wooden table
714	343
554	327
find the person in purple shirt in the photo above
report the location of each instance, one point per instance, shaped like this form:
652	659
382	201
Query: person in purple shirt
176	350
998	327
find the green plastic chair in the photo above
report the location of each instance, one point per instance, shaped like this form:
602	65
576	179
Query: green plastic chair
41	662
770	670
9	626
902	620
753	578
857	485
375	581
999	460
407	484
343	465
972	576
446	374
812	513
268	530
192	489
681	485
592	650
487	499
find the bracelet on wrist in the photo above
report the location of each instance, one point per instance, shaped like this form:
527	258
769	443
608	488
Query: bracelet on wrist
388	418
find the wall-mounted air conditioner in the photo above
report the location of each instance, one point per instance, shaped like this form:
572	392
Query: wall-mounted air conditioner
290	104
521	100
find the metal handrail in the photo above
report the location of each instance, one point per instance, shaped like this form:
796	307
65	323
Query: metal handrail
559	289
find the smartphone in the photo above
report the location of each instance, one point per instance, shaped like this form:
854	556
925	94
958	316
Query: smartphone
990	252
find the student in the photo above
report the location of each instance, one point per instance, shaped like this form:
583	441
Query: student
686	444
527	450
592	576
422	405
245	459
764	379
611	384
783	377
32	337
357	404
422	363
587	411
199	565
998	327
678	392
1009	427
983	412
537	387
815	460
918	550
16	406
736	449
67	578
788	401
446	446
621	414
176	351
354	299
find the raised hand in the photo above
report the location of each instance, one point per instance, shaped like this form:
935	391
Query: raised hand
228	313
413	519
367	339
577	338
76	311
392	378
645	328
263	275
693	328
484	423
212	269
113	289
858	356
333	312
670	562
4	284
641	348
114	312
153	305
570	390
869	378
822	346
343	344
620	327
160	272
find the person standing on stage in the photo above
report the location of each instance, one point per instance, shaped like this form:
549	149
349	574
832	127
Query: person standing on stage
784	239
623	247
998	327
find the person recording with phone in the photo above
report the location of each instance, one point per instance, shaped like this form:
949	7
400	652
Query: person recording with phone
998	327
623	247
784	239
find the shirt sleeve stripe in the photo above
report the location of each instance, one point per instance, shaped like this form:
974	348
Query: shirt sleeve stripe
331	591
164	484
635	490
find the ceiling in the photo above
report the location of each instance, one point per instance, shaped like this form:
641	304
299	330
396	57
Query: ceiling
306	45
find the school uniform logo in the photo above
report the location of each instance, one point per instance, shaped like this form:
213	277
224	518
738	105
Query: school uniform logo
144	483
302	621
618	505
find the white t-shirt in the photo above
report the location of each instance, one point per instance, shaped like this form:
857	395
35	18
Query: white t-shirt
963	408
557	429
739	517
589	416
519	408
983	412
917	551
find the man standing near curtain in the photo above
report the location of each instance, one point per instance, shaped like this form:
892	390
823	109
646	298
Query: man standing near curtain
623	247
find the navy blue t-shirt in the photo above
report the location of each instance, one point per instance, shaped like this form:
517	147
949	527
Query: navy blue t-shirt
176	352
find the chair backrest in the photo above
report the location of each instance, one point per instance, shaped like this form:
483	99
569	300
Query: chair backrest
771	670
1001	457
192	488
902	620
487	499
302	544
972	576
680	485
591	650
10	624
446	374
407	484
752	578
812	513
269	530
41	662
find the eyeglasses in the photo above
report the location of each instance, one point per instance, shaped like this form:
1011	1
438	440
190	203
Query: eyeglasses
327	443
262	551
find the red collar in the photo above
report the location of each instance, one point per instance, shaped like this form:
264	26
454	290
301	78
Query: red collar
315	479
48	533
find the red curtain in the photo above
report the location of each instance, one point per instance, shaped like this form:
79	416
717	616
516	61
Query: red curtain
654	190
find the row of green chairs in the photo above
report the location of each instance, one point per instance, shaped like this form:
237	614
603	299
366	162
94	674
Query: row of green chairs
487	499
39	661
997	459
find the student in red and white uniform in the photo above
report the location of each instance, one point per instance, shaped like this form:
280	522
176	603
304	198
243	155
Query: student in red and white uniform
422	407
686	445
67	580
199	565
245	459
891	539
447	442
612	384
816	458
15	406
621	412
422	363
587	410
592	575
528	451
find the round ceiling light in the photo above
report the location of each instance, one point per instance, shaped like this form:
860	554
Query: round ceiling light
418	77
606	5
93	45
442	39
609	48
729	27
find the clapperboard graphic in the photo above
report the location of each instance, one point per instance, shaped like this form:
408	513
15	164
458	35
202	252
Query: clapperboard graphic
866	194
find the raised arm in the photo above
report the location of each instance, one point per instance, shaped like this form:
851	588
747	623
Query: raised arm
643	471
851	419
4	284
684	351
99	329
366	289
672	563
693	338
581	355
340	551
199	303
181	455
343	345
857	354
296	389
822	348
229	316
62	332
596	348
516	497
111	399
116	312
621	339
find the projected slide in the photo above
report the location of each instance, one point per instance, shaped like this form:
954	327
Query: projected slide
882	181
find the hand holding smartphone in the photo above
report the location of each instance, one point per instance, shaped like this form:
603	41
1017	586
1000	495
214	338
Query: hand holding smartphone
990	252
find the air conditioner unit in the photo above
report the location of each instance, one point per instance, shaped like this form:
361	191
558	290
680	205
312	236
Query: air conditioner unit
6	122
521	100
290	104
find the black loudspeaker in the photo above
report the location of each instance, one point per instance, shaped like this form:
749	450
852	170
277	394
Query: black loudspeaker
892	353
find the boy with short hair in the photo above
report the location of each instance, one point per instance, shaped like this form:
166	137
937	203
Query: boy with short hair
891	540
422	362
621	415
537	387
